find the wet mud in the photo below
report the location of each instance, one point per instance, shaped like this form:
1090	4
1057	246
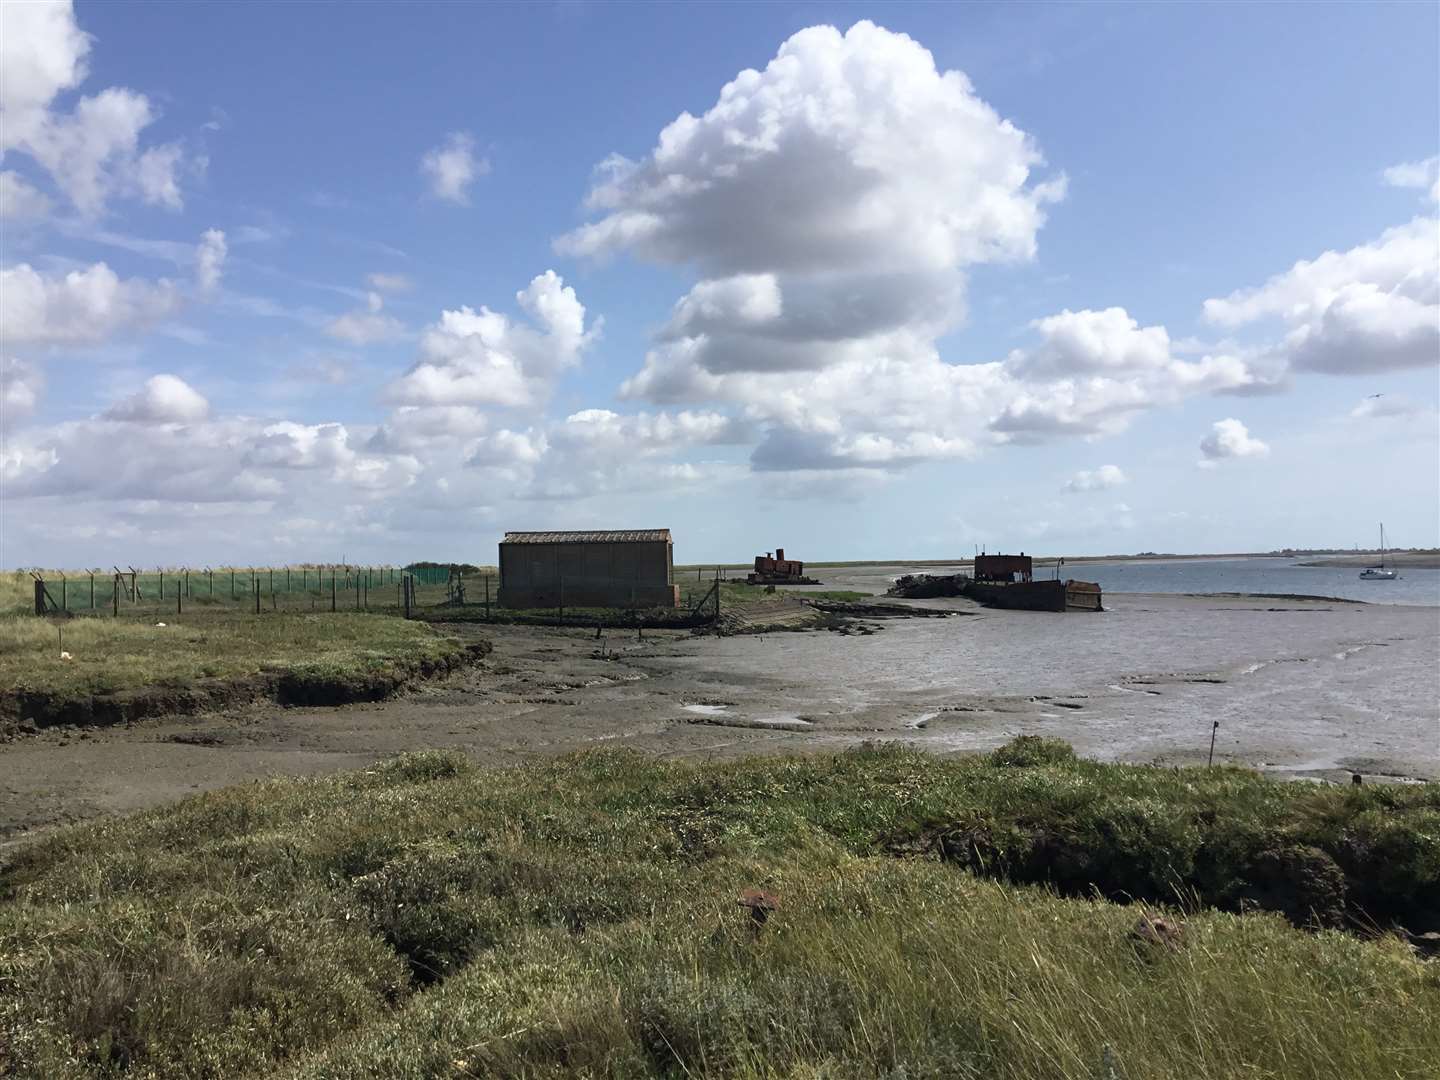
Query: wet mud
1311	690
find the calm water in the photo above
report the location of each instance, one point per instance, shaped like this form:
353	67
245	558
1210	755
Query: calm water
1259	576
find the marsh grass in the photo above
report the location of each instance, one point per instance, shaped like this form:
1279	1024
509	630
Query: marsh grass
578	917
740	592
107	655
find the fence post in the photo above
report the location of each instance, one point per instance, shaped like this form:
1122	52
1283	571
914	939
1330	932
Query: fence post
115	596
332	590
257	595
39	597
178	602
407	584
64	600
161	571
187	581
232	583
92	591
287	579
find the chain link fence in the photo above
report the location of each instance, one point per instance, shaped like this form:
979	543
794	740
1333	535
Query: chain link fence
433	593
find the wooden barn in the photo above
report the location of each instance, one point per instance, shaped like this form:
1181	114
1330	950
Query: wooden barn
628	568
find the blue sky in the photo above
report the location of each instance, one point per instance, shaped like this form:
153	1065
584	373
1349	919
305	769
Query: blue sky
1127	283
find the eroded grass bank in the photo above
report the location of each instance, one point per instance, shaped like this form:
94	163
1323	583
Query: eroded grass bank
124	669
578	918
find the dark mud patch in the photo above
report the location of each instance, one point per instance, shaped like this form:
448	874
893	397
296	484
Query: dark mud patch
27	710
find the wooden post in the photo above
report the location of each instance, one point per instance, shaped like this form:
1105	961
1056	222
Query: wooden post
64	599
1213	729
407	584
161	569
232	583
178	602
287	579
39	597
187	581
115	596
272	581
211	575
304	579
257	596
92	590
332	590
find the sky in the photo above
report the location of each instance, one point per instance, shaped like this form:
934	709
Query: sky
312	282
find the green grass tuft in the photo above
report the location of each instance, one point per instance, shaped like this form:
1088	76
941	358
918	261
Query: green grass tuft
579	917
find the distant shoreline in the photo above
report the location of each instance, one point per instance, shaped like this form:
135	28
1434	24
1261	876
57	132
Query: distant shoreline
1419	560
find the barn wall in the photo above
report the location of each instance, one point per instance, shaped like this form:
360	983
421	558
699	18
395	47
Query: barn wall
631	574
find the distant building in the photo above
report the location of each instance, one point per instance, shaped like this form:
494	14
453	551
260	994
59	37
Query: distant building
621	569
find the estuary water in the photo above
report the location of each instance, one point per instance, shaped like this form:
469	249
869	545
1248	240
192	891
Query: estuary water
1257	575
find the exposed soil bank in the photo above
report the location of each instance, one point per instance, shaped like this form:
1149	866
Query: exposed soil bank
22	710
1364	859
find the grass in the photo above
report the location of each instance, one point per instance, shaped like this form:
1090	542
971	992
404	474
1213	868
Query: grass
111	655
578	917
740	592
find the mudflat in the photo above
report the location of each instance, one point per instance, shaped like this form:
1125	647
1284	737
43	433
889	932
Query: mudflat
1300	688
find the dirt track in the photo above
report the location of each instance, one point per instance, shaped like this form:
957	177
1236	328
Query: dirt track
1301	688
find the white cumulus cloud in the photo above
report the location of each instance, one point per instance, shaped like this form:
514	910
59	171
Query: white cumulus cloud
92	151
488	358
452	167
83	307
1375	307
1229	438
164	399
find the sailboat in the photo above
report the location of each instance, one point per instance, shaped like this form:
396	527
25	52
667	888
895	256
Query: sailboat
1379	573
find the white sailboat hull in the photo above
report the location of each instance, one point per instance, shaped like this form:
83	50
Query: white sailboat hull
1374	574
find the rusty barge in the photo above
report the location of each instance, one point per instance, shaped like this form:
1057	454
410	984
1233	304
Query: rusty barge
778	570
1005	581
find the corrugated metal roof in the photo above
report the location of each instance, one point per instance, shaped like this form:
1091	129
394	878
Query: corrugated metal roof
614	536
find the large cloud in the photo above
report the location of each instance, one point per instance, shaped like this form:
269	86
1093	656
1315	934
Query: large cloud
487	358
831	204
92	151
847	150
85	307
81	308
164	443
1375	307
